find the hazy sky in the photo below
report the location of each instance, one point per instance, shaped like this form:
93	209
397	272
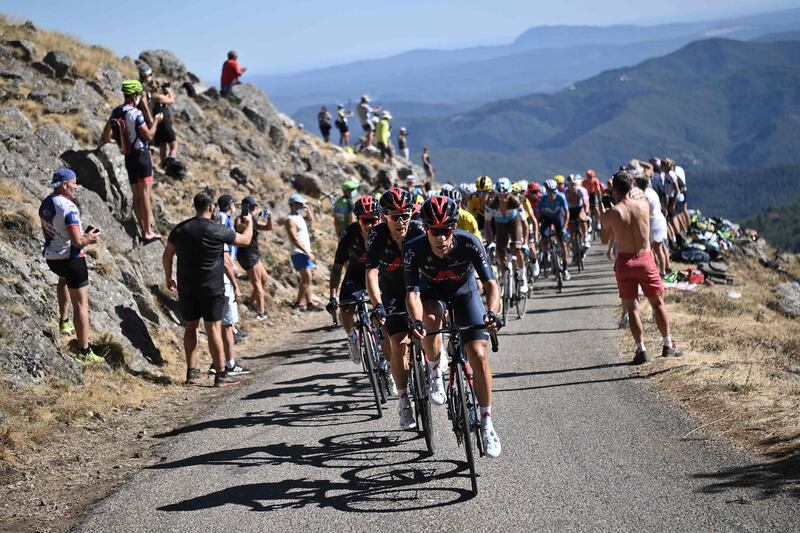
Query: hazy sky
279	36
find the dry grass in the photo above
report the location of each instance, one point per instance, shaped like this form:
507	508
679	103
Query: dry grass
22	222
741	365
85	58
10	191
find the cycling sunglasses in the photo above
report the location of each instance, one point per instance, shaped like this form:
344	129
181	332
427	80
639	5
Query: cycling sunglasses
439	231
405	216
368	221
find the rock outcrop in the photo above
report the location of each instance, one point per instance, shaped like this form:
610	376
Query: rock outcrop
52	116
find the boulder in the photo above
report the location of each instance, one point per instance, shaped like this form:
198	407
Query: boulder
102	171
58	106
239	175
59	61
307	184
109	78
44	68
277	136
26	50
259	120
789	299
367	172
185	108
165	64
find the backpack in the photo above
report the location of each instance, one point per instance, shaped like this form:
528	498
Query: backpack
123	129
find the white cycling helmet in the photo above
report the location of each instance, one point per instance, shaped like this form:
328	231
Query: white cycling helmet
503	185
551	185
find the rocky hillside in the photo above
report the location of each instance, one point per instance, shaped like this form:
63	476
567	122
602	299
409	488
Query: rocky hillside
56	94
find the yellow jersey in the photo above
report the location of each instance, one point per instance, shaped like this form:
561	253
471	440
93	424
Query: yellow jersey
474	206
468	223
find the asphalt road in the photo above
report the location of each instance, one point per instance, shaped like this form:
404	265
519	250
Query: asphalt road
587	445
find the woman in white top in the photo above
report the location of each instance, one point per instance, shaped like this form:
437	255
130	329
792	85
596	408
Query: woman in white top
658	224
302	256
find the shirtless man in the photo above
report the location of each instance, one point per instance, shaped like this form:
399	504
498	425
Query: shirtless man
628	222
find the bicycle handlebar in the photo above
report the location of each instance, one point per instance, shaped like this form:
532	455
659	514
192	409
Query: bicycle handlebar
463	329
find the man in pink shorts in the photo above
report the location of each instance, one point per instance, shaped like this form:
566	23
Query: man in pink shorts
628	222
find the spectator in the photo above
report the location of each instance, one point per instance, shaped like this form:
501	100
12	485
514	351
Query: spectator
230	314
402	142
365	113
342	117
383	135
658	224
430	173
144	104
628	223
64	241
199	245
343	207
133	135
302	256
231	72
324	119
683	210
159	97
250	258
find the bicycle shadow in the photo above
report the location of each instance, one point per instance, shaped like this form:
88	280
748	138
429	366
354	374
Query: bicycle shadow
352	384
375	473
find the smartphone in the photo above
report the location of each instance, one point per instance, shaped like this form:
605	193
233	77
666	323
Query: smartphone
607	202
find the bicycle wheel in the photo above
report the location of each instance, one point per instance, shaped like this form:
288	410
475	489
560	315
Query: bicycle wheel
380	367
368	359
422	398
506	290
464	424
556	268
521	303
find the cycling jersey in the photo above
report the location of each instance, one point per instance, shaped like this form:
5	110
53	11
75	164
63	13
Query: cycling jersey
554	209
592	186
492	210
534	201
342	208
383	253
132	119
468	223
527	207
57	214
577	197
474	206
351	248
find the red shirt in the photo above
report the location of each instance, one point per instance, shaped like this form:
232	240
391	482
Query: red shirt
230	72
592	186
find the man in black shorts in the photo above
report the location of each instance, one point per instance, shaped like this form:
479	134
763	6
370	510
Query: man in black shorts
200	245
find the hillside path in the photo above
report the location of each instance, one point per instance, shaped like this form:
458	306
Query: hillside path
587	445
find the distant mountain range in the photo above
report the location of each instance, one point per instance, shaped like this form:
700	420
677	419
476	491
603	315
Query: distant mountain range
542	59
714	104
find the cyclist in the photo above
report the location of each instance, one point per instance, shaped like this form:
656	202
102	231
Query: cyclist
504	209
477	202
352	250
386	289
343	206
439	269
554	214
530	224
560	183
466	221
578	203
595	190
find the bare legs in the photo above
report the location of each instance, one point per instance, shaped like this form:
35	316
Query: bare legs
215	346
80	306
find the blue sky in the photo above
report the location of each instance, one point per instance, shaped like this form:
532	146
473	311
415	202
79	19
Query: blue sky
284	36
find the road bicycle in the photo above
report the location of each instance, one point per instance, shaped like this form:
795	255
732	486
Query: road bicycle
462	402
577	245
511	288
554	260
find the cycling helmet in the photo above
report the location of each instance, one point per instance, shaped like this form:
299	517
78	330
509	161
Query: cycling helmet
396	199
574	179
130	87
551	185
503	185
439	211
559	179
484	183
517	187
367	206
534	187
350	186
453	194
590	173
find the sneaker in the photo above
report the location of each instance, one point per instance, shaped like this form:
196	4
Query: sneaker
671	351
623	321
261	317
241	333
407	420
353	347
66	327
223	379
640	357
566	275
211	370
237	370
523	288
391	385
89	357
491	443
536	269
588	244
237	338
192	376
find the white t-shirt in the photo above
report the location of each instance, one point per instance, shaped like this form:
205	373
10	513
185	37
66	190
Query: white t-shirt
301	229
658	224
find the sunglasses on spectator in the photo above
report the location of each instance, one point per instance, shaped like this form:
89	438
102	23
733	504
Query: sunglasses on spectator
400	217
438	231
368	221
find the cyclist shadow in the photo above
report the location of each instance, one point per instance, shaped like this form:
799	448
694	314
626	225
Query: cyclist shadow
324	352
353	383
375	473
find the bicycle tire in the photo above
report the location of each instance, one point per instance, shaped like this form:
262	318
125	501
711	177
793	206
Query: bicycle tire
556	269
380	371
506	295
422	398
522	300
464	425
368	359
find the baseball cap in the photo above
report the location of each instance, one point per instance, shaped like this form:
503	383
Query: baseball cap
249	200
224	202
297	199
60	176
411	178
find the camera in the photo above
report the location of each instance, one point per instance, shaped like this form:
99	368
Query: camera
608	202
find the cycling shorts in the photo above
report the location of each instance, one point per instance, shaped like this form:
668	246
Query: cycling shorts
354	281
557	223
74	271
506	232
576	213
195	305
466	304
367	127
394	301
139	166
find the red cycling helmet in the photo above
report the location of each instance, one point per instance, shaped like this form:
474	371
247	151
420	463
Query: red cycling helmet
590	173
534	187
367	206
396	199
439	211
